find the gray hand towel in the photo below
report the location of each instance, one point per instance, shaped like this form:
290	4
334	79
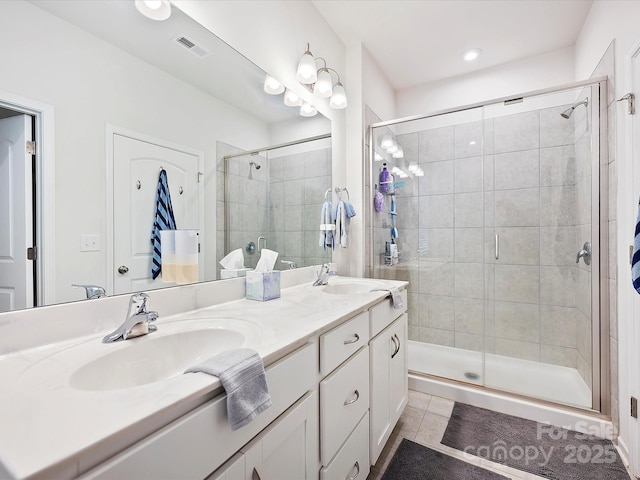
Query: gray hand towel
241	373
396	297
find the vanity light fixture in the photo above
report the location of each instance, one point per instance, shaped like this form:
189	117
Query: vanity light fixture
272	86
154	9
386	142
291	99
308	110
471	54
319	81
399	153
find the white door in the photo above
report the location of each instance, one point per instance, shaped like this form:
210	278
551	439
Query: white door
633	334
136	168
16	214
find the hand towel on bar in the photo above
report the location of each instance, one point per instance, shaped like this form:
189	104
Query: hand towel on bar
326	226
342	225
396	298
635	259
164	220
241	373
349	210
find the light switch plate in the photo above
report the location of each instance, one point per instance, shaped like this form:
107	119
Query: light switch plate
89	243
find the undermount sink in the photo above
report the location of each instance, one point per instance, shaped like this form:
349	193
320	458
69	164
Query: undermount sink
163	354
350	287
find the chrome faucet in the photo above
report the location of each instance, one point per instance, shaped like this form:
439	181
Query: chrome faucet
323	275
92	291
137	322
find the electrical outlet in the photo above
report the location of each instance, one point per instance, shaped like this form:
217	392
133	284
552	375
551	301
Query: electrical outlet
89	243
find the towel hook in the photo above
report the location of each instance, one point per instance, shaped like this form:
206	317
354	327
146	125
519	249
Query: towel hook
326	193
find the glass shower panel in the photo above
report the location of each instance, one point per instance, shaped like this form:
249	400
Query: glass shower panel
538	217
433	214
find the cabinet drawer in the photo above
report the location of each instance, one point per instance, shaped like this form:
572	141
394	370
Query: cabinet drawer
384	313
352	460
342	342
196	444
344	399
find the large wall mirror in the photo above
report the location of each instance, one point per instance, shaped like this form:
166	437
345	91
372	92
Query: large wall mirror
120	87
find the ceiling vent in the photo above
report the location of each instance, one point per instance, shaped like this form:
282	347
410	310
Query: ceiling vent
192	46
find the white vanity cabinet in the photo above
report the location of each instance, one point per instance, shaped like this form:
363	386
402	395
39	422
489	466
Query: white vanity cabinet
344	400
198	443
389	376
286	450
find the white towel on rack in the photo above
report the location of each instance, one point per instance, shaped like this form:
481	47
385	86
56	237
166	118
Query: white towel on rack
342	224
327	226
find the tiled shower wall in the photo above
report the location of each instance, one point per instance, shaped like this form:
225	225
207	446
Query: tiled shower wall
530	192
281	201
297	186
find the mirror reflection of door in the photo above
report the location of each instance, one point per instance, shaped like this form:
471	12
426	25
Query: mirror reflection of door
136	169
17	275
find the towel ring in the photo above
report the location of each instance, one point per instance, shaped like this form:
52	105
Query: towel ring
339	191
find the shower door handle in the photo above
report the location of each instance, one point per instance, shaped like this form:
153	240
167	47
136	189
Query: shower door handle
261	238
497	247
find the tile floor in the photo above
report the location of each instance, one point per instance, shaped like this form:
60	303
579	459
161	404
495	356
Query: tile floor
424	421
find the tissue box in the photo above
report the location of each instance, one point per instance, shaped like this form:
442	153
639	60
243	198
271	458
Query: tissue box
263	286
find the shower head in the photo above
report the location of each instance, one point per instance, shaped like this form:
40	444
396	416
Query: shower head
569	111
254	164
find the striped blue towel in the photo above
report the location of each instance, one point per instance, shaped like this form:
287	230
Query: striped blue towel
635	260
164	220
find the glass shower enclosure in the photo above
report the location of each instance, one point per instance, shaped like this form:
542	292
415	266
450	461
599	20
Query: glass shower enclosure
272	198
497	214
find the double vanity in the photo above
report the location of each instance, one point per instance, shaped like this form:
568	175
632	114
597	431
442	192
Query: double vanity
335	359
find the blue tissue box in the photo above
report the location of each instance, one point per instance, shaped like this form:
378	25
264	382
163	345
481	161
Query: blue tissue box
263	286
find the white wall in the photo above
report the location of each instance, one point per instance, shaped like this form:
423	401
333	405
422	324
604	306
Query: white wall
91	83
377	92
533	73
618	21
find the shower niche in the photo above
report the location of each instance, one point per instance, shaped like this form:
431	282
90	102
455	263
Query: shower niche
507	198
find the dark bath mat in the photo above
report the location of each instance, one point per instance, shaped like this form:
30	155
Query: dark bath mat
413	461
537	448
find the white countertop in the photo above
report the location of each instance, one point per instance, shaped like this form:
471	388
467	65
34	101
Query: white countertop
50	429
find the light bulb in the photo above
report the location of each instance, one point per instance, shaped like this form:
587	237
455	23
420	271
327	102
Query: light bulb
291	99
399	153
377	157
339	97
323	87
386	142
272	86
154	9
413	167
308	110
306	72
392	149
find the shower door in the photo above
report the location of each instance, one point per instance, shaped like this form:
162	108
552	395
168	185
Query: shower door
541	216
497	224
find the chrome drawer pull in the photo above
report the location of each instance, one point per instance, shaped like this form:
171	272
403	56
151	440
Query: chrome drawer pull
255	475
357	467
355	399
355	338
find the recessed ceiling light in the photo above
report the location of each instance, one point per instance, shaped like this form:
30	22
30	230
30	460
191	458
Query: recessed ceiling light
471	55
154	9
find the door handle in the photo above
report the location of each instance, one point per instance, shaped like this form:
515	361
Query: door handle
354	399
397	345
357	467
122	269
355	338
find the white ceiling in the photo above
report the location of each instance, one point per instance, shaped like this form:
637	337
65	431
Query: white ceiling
420	41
